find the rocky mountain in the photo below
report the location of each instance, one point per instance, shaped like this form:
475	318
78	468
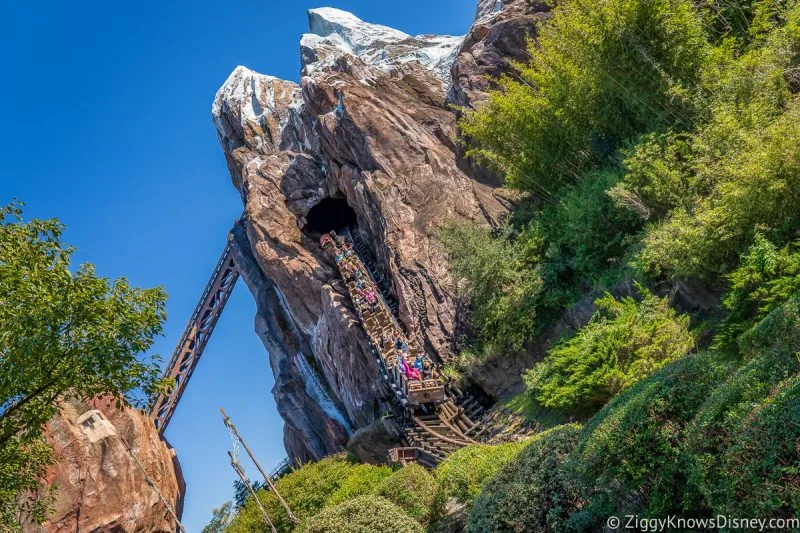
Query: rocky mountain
366	140
100	485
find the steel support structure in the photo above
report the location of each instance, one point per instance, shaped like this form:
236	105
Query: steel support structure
194	339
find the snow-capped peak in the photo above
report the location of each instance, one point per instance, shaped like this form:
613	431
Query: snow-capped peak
334	33
325	21
243	90
250	97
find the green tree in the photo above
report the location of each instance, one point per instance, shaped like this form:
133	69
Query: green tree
499	276
62	334
221	518
600	73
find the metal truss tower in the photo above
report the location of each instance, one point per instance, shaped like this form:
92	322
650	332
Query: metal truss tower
194	339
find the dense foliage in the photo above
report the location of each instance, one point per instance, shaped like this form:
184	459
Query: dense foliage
363	479
365	514
533	492
601	73
464	473
412	489
655	139
656	142
63	333
321	494
624	342
766	278
746	174
306	490
501	281
742	444
629	459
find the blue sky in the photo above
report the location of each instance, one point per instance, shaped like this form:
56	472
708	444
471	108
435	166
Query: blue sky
105	125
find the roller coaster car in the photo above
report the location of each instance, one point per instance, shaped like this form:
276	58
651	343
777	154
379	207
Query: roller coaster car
427	391
403	455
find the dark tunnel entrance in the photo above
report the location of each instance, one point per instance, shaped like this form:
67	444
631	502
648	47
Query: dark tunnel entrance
329	215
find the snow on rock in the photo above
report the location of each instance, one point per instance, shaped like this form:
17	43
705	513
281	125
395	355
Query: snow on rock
334	33
487	9
255	104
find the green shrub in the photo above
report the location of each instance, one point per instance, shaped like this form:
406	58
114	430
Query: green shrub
731	18
766	278
464	473
533	492
761	467
657	178
499	277
365	514
630	455
413	489
751	187
734	461
363	479
586	237
306	490
624	342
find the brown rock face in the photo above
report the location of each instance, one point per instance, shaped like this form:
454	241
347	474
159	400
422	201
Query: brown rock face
499	36
100	487
366	140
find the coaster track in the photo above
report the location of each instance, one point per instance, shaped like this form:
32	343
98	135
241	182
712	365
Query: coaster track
434	422
435	417
194	339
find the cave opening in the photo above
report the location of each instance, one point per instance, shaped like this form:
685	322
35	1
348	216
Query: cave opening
331	214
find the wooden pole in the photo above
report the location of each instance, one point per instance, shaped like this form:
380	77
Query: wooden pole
227	420
238	468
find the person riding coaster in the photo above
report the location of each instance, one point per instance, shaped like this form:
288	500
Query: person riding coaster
401	345
364	293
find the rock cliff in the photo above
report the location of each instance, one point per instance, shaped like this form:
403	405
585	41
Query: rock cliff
366	140
99	485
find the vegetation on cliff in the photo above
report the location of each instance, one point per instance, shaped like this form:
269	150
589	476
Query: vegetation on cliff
625	341
657	145
64	333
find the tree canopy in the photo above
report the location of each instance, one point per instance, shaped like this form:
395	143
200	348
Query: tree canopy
64	333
